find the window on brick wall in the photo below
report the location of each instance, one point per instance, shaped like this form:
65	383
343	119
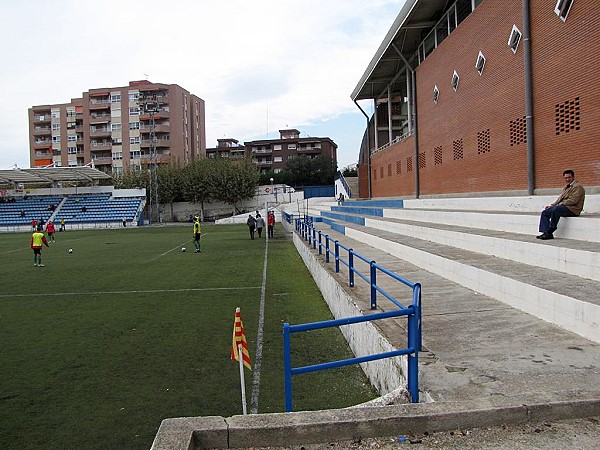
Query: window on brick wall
455	80
374	174
422	161
381	172
480	63
514	39
457	149
437	155
436	94
562	9
389	170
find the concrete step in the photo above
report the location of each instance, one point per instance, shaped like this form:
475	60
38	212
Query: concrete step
568	301
574	257
476	347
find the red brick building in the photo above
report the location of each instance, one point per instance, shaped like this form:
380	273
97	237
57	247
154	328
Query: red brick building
270	155
112	128
464	106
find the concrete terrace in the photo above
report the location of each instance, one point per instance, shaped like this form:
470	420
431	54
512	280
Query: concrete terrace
511	324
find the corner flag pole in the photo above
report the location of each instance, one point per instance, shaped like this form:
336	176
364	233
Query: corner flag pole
242	381
239	352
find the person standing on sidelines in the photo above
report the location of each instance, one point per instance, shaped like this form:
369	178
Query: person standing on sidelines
197	233
270	223
50	230
37	240
62	225
251	222
260	224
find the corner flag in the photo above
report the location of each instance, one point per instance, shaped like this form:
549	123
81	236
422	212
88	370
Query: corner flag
239	339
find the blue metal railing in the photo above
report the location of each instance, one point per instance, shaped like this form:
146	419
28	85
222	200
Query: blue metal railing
413	312
340	176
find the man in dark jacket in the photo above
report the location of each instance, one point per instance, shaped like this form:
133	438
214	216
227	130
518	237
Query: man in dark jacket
251	222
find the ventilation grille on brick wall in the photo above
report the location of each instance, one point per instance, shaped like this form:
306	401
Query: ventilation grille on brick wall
375	174
398	167
567	116
381	172
483	141
437	155
389	170
457	149
518	131
409	164
422	161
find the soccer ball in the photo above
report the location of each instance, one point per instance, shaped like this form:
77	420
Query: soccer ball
182	249
70	250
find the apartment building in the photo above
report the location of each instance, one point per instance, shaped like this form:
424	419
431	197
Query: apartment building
112	128
270	155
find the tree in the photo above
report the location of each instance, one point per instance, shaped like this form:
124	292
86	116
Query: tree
236	181
169	185
318	171
196	185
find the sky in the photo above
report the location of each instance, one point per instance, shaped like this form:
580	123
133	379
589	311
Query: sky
260	66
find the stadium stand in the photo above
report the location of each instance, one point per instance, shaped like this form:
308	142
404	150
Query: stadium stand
22	210
96	208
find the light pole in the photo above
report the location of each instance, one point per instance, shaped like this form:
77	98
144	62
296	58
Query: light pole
273	189
151	106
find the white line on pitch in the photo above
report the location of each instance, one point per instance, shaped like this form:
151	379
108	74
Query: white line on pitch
174	248
259	338
150	291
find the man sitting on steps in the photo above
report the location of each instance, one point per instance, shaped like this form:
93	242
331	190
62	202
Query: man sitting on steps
569	204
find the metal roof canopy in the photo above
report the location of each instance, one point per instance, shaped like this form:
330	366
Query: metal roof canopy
52	174
415	20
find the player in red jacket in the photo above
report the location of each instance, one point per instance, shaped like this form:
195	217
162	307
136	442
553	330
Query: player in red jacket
50	230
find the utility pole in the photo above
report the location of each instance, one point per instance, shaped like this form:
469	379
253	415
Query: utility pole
151	106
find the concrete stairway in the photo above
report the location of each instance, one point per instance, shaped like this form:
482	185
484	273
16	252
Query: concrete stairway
489	252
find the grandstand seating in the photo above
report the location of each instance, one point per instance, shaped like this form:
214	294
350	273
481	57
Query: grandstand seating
74	209
91	208
22	210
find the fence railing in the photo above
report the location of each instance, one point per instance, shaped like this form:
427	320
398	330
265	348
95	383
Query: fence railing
333	248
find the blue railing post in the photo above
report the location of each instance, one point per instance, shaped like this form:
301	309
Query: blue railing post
351	267
417	303
414	344
337	256
314	237
320	244
327	248
373	285
287	367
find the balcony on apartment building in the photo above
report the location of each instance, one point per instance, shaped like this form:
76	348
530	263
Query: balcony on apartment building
99	102
100	145
263	162
39	131
42	118
101	157
309	148
99	117
261	151
164	127
160	141
99	131
163	113
159	96
39	143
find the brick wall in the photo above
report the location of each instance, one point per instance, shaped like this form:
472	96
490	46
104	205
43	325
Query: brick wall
473	139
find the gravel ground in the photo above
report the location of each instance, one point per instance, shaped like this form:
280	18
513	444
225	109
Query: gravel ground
575	434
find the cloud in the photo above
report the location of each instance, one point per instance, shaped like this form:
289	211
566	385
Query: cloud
258	65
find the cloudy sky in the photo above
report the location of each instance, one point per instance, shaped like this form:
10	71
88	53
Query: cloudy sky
260	65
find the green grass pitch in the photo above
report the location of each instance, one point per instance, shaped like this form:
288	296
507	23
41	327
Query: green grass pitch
101	344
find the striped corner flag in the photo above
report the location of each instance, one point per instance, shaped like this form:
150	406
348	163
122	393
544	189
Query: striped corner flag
239	337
